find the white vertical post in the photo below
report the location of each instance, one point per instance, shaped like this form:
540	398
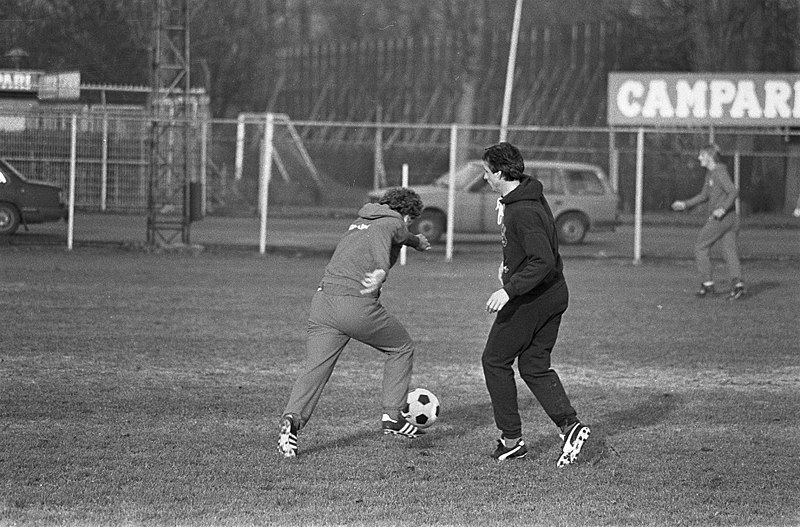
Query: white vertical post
72	162
203	161
378	175
512	60
237	167
104	164
613	161
266	176
737	176
637	216
451	193
404	183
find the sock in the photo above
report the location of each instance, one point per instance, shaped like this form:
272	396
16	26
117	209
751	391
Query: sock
511	443
567	427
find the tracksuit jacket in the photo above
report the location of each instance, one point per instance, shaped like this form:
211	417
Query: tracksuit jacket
373	241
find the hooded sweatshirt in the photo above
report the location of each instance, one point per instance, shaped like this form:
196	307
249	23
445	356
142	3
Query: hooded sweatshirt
372	241
531	261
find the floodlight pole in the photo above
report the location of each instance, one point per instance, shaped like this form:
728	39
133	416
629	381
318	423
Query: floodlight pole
512	60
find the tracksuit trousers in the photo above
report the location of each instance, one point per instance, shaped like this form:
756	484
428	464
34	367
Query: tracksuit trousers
333	321
526	330
724	231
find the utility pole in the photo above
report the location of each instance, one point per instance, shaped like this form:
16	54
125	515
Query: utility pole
512	60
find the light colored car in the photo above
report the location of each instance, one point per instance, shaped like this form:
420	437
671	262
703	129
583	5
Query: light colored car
578	193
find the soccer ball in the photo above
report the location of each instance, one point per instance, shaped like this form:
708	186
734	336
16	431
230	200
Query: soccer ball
421	408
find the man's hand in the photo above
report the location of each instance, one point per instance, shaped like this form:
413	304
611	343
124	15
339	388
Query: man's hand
424	244
796	212
373	281
679	206
496	302
718	214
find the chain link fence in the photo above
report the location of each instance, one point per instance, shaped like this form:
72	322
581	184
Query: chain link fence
335	164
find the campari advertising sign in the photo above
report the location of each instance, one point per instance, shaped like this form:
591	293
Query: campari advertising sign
704	99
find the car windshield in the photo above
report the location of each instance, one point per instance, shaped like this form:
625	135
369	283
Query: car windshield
463	176
583	182
551	183
5	166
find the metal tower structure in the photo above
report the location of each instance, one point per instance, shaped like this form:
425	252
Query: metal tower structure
168	203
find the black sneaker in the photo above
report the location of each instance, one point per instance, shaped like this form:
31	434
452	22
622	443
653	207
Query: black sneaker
705	291
287	441
573	442
502	452
737	292
399	427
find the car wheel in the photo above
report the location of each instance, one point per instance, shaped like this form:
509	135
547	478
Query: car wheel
430	224
572	228
9	219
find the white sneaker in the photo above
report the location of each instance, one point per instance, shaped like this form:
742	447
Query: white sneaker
287	441
573	442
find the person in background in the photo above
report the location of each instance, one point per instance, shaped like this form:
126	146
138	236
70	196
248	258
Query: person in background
529	307
722	224
347	306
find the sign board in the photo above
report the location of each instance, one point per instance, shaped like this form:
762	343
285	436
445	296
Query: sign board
18	81
704	99
60	86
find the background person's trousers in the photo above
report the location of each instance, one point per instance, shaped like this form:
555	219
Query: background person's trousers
526	332
725	231
332	322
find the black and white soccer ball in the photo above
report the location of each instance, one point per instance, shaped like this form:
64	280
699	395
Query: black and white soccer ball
421	408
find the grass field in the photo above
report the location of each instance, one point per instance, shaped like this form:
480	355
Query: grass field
145	389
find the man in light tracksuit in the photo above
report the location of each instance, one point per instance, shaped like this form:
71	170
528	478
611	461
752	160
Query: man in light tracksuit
722	225
346	306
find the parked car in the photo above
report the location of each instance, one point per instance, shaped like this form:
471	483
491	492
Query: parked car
23	201
579	195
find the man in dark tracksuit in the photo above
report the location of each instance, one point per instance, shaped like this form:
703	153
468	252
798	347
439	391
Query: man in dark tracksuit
346	306
529	307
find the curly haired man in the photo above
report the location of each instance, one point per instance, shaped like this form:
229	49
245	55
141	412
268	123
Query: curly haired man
346	306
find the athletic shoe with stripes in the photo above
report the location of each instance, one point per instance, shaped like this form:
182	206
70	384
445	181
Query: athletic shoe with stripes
287	441
502	452
399	427
573	442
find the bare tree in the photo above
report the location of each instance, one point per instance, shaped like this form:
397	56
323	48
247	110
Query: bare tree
710	35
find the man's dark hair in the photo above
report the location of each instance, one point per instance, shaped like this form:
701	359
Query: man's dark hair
712	150
506	158
403	200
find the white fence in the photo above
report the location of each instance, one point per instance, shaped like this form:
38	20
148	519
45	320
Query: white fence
335	163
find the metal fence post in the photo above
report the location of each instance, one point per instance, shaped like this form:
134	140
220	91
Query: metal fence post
737	179
266	176
104	164
203	162
72	162
451	192
637	222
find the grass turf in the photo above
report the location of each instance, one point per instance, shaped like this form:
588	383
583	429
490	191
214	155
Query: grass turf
144	389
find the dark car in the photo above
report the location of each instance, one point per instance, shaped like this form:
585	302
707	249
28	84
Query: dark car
25	201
